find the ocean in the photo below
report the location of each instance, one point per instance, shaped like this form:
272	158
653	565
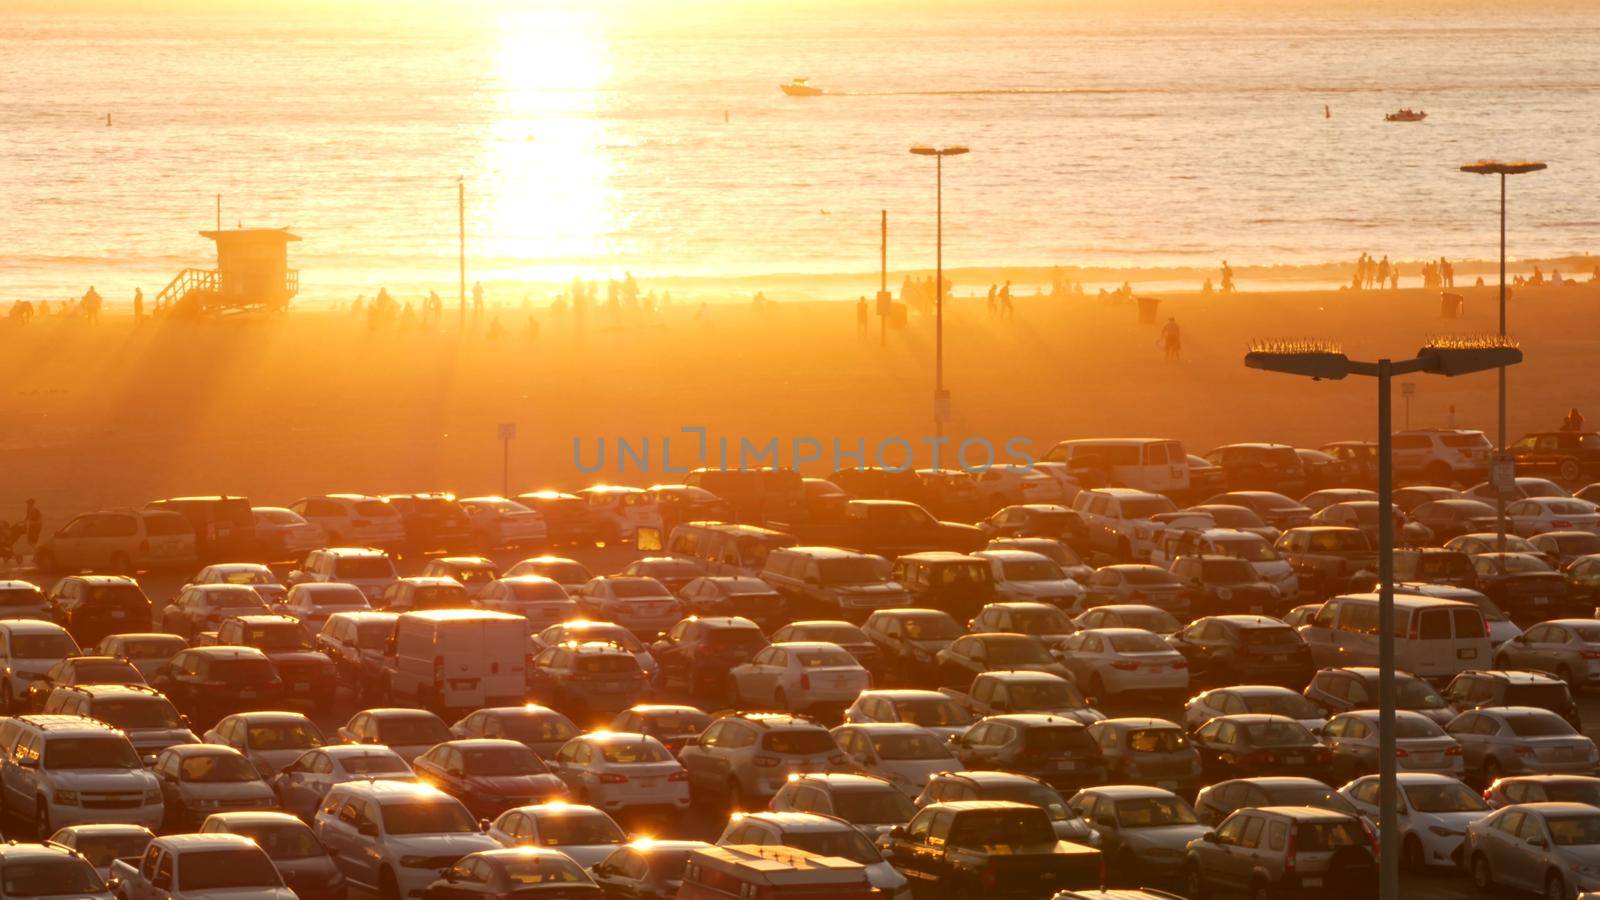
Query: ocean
592	140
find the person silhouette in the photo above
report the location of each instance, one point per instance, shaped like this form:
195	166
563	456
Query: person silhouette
1170	341
861	317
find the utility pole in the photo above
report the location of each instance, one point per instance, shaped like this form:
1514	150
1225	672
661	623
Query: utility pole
461	225
219	212
884	299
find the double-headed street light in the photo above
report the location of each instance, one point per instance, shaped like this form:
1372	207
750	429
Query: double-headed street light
941	400
1319	360
1501	168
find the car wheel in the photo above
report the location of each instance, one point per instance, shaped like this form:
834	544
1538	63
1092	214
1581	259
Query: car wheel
1411	856
781	700
1570	470
1440	474
1565	674
388	886
734	699
1261	889
1195	881
1482	876
1097	688
44	561
1491	771
1555	887
736	796
41	820
121	564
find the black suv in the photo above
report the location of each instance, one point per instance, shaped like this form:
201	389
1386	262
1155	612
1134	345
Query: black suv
93	606
700	652
224	527
1261	467
1243	649
1476	689
432	522
1226	584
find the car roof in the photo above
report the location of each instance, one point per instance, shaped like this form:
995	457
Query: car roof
1035	719
395	712
355	551
892	694
886	727
257	817
845	780
270	715
1252	718
199	749
991	778
1127	791
1514	676
1144	722
211	840
800	821
1308	813
1010	675
941	556
1245	620
31	626
381	790
1556	807
1006	554
228	652
819	552
1506	712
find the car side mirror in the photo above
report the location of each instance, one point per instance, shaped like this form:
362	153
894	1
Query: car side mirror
483	825
1541	843
1210	837
28	763
693	741
367	829
899	833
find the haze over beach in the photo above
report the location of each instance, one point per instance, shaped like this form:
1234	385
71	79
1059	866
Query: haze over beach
593	139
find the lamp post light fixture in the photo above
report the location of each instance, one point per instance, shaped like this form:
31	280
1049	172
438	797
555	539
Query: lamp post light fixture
941	400
1320	360
1502	169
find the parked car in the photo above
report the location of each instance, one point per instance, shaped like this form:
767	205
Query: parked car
744	758
119	541
147	651
642	605
395	838
1480	688
194	867
1058	751
1261	467
869	803
933	710
1440	455
1542	788
1243	649
1566	648
1544	847
207	683
648	870
1150	752
370	569
1314	848
1437	811
204	607
302	785
305	865
354	520
1267	699
1525	586
798	675
908	640
1450	517
407	732
1519	740
93	606
1010	847
56	763
103	843
1341	689
269	739
1420	744
587	680
539	728
702	653
974	653
254	575
672	724
1022	575
489	775
528	872
432	522
313	603
618	771
1113	662
197	780
1241	746
585	834
281	533
1144	831
903	754
1218	800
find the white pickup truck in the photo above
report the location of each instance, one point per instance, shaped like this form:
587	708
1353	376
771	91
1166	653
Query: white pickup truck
199	867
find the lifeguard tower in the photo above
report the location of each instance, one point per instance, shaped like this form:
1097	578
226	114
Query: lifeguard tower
252	275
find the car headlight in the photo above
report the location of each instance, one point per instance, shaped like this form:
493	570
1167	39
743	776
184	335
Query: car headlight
153	796
66	798
1224	594
414	862
1441	831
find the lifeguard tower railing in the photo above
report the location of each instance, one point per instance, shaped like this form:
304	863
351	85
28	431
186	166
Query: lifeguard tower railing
204	286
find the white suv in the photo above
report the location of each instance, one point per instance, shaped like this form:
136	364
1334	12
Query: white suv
824	835
394	837
68	770
354	520
748	757
1442	456
1121	521
29	648
368	569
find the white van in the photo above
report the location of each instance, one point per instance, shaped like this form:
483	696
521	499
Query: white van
1147	464
1434	639
448	659
617	513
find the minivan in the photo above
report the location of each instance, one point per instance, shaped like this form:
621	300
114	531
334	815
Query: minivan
1148	464
224	527
833	583
724	549
1434	638
459	659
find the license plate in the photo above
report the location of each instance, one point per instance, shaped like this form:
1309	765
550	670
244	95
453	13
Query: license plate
1280	657
649	782
300	686
1540	601
118	614
1294	760
1467	653
1311	882
462	684
247	693
1066	765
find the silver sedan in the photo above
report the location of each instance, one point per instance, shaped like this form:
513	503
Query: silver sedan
1521	740
1550	848
1566	648
1420	744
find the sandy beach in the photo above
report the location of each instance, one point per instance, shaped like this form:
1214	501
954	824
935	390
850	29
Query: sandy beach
315	401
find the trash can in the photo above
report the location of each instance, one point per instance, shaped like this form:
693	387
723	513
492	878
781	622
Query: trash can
1147	310
1450	305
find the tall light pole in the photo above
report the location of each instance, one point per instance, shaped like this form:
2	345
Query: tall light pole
1497	167
1317	361
941	400
461	232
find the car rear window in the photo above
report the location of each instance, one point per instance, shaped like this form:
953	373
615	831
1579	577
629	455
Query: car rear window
1539	726
1064	739
629	752
1139	643
799	742
1262	637
1313	837
617	664
166	524
375	509
638	587
1338	541
20	597
1474	439
1002	828
1544	696
364	567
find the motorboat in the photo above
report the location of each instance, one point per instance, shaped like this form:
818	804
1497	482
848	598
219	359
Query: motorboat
1406	115
800	87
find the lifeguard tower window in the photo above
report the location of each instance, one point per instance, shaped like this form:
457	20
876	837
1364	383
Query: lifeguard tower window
252	275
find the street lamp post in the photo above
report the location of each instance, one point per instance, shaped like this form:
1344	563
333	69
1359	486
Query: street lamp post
1498	167
1449	356
941	400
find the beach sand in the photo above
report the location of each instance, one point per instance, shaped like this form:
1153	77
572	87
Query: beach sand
314	401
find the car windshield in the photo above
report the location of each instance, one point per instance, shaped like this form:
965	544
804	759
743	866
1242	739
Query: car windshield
217	769
541	729
1321	837
90	753
50	878
566	828
1003	653
676	723
1228	571
412	730
473	574
1287	704
1069	740
283	736
1309	795
826	659
845	842
1157	740
638	587
1414	726
42	646
1139	643
1519	563
873	807
1571	831
1249	549
363	567
107	672
1048	620
799	742
1443	565
1278	734
101	849
374	634
629	752
536	591
1042	796
1339	541
524	871
1145	507
849	570
151	648
612	663
1154	812
1548	725
930	628
374	764
930	713
277	638
439	596
1002	828
142	712
427	817
1044	695
288	841
1033	570
247	576
735	638
495	761
242	598
1444	797
1585	791
216	870
910	746
1149	576
615	635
